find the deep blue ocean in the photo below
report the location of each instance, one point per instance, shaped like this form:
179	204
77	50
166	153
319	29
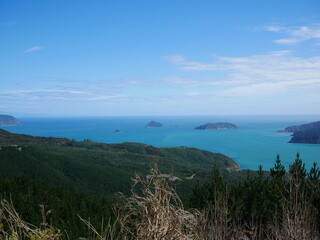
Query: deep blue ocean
255	142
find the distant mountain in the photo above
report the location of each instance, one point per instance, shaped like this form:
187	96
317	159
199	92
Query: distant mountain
305	133
7	120
153	124
217	126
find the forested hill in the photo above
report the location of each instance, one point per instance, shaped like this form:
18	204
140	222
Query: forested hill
81	177
303	127
306	133
7	138
100	168
311	136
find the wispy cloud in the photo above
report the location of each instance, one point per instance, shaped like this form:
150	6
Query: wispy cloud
106	97
275	66
33	49
257	76
296	34
268	89
110	83
191	65
58	94
196	82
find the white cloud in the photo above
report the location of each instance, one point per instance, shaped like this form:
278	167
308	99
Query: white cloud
268	89
33	49
58	94
105	97
188	65
296	34
274	74
202	82
275	66
274	28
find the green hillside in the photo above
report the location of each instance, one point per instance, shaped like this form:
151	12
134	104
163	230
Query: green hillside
71	177
99	168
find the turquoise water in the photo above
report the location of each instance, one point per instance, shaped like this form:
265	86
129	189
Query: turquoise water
255	142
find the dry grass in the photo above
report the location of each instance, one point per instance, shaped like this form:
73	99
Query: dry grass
12	227
153	211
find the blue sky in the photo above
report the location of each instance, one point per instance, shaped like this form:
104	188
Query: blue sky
123	58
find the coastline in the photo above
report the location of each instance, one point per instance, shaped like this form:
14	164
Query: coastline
255	142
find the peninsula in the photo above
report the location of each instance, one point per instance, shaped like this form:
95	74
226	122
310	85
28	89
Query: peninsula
7	120
217	126
305	133
303	127
154	124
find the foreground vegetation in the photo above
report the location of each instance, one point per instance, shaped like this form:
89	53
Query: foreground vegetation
279	206
270	205
57	187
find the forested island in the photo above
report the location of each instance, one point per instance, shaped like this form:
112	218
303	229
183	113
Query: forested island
217	126
305	133
7	120
154	124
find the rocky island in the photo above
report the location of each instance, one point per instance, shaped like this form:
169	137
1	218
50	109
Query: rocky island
7	120
305	133
217	126
154	124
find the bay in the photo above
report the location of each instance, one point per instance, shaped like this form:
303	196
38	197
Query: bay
255	142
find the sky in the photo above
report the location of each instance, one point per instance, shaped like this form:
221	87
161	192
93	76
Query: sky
168	57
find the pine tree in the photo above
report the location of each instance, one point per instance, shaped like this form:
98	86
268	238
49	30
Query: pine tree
278	171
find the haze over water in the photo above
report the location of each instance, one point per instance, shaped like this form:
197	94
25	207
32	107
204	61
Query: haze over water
255	142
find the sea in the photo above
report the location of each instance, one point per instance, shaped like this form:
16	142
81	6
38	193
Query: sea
255	142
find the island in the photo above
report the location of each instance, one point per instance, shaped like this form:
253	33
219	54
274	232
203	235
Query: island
154	124
217	126
7	120
117	131
305	133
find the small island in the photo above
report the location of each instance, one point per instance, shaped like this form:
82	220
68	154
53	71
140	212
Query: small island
305	133
154	124
7	120
217	126
117	131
